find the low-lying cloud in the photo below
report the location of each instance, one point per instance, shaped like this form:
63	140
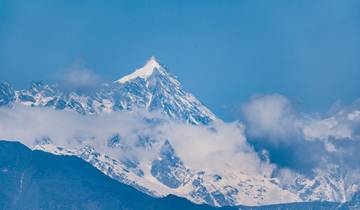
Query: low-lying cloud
274	136
222	146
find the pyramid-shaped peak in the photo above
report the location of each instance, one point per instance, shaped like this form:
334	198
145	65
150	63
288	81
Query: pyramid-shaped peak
153	62
143	72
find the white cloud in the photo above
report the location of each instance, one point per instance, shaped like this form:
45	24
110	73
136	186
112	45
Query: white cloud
216	151
270	116
78	77
273	117
326	128
222	147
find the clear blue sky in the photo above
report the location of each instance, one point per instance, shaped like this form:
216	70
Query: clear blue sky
222	51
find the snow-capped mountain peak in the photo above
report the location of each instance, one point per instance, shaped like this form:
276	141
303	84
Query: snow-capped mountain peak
154	88
150	88
144	72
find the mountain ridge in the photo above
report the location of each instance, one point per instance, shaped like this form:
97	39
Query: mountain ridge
158	90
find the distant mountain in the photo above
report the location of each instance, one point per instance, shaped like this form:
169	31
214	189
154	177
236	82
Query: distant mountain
7	94
151	88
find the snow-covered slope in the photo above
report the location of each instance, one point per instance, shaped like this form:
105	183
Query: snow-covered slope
168	174
145	72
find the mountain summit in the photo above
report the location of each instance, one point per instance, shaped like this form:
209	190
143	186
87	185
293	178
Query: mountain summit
158	89
143	72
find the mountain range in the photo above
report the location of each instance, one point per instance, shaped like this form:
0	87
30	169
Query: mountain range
153	89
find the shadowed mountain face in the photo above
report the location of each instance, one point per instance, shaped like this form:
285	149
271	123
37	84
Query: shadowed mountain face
39	180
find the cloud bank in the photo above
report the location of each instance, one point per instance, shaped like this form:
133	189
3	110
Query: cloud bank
274	136
221	147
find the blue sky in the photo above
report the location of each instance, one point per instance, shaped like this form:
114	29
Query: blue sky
222	51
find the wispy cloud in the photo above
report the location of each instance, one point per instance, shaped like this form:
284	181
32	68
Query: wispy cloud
78	77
